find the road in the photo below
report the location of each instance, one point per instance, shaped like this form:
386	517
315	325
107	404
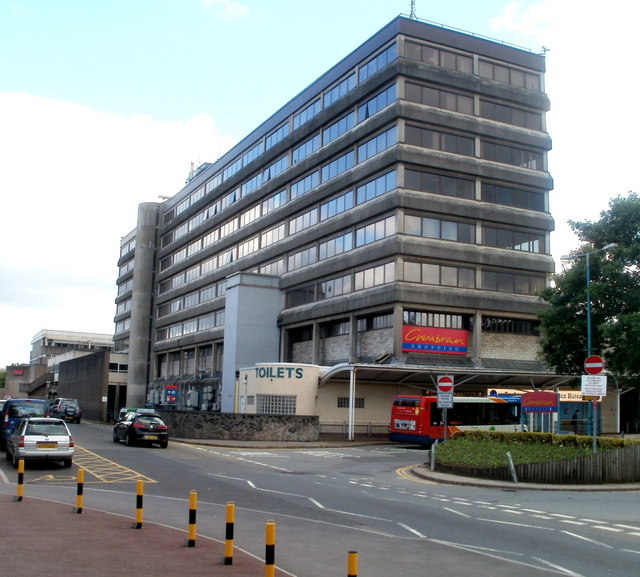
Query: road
327	502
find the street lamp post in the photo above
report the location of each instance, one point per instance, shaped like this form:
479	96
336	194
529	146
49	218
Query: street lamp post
586	255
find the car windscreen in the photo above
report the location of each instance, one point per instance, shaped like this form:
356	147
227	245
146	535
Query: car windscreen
46	429
148	420
28	410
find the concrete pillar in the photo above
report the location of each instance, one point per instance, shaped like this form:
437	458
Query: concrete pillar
141	304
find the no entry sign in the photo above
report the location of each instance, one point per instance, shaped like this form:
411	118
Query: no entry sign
445	384
594	365
445	392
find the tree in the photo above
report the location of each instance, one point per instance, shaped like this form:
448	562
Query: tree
614	291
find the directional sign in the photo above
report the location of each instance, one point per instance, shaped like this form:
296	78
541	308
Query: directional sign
445	392
594	365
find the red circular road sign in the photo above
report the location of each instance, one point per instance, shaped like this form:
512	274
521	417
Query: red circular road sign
594	365
445	384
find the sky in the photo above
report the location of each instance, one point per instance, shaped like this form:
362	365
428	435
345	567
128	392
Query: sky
106	104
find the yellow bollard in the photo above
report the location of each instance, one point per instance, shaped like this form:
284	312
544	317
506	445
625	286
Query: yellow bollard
80	491
20	480
193	499
139	496
352	564
270	550
228	548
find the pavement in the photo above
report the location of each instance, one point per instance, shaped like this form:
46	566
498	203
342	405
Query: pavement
45	538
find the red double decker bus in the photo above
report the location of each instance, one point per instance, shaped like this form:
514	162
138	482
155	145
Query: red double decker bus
417	419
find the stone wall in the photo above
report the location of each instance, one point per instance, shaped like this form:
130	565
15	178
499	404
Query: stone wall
241	427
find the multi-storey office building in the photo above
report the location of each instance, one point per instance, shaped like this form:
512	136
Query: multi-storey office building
395	211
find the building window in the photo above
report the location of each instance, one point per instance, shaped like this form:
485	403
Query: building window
306	149
437	140
507	75
436	320
335	287
338	166
375	322
440	275
513	240
377	144
511	155
439	98
439	229
358	403
510	115
306	114
510	326
335	329
339	90
378	62
439	184
516	197
276	136
338	128
276	404
375	276
377	103
376	231
438	57
512	283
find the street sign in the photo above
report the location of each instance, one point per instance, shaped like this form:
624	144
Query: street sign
594	365
445	384
594	385
445	392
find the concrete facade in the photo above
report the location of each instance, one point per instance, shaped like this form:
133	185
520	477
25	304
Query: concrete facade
406	188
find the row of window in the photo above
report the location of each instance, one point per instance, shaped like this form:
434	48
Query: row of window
488	324
371	107
465	188
466	232
298	119
413	50
196	325
464	104
465	145
364	193
418	272
460	62
298	188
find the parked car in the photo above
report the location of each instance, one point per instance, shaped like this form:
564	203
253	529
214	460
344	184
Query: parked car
145	427
67	409
41	438
15	410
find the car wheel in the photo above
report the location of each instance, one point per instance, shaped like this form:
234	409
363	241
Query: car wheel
129	440
164	444
68	463
115	437
8	455
15	461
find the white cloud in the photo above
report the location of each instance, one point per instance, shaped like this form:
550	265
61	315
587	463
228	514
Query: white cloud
72	179
593	91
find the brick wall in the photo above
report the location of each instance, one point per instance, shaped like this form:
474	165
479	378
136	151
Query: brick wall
506	346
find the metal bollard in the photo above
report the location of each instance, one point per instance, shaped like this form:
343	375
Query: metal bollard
80	492
20	493
228	548
270	550
352	564
193	499
139	498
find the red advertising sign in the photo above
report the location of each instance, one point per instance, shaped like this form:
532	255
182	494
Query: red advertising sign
540	402
434	340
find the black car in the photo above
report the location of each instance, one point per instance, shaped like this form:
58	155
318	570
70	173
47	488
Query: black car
145	427
67	409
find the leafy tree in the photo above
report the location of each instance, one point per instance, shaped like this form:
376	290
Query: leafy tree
614	291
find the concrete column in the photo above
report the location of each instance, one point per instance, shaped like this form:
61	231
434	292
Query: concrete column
141	304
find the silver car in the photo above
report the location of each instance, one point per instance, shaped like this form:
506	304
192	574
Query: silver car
41	438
